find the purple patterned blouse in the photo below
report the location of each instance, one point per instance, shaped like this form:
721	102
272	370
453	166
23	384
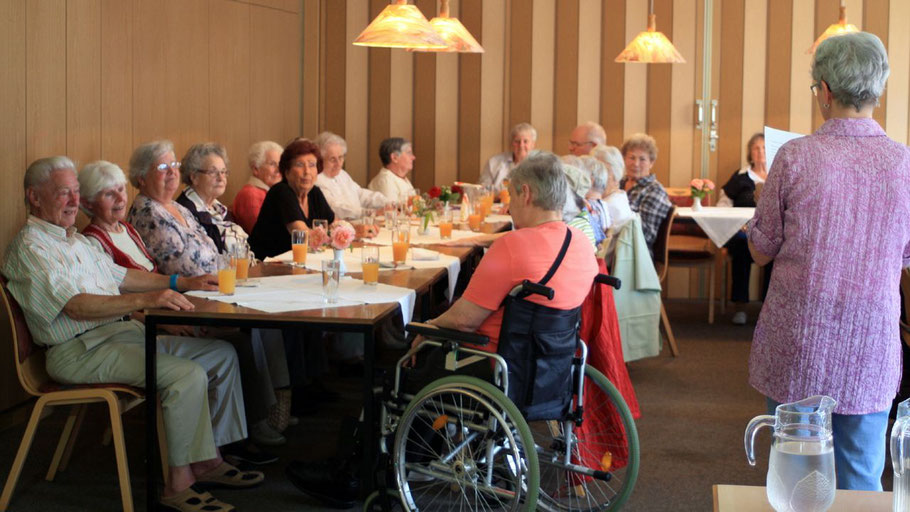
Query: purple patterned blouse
835	216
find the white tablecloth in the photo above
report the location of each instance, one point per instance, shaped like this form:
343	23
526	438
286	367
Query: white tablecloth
431	237
720	224
352	260
280	294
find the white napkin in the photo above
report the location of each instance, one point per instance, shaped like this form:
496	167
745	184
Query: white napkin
419	254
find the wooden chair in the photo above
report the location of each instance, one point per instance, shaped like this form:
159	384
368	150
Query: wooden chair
661	251
30	367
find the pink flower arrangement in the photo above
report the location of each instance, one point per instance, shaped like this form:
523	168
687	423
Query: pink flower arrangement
318	238
341	234
701	187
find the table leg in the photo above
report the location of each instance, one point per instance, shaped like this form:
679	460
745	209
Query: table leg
151	420
368	440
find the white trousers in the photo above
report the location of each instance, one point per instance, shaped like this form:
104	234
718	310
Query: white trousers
198	381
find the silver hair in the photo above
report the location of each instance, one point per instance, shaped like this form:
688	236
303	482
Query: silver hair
192	160
578	183
522	128
144	158
40	171
641	141
596	170
612	158
596	133
543	175
96	177
258	150
326	139
855	67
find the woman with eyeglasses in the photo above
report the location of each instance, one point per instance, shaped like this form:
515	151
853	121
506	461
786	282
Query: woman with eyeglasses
293	203
204	172
176	241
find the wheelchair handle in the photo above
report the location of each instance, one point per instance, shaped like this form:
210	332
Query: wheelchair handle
434	332
539	289
615	282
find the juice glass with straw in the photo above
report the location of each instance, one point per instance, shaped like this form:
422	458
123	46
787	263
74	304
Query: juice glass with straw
370	262
227	274
299	246
401	241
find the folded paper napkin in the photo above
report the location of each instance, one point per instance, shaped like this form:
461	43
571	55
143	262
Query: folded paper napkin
419	254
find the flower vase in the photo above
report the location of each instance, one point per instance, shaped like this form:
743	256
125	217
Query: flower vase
339	257
423	228
696	204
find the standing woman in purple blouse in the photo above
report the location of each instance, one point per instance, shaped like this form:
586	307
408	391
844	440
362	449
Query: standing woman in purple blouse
834	217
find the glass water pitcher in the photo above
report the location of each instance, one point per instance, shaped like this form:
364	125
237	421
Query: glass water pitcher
900	457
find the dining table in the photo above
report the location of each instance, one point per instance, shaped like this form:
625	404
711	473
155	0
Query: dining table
719	223
361	317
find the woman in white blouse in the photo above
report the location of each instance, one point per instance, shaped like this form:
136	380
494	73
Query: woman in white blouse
397	157
346	197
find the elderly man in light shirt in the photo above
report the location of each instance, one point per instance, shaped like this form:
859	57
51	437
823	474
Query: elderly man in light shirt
347	198
75	300
585	136
397	158
524	139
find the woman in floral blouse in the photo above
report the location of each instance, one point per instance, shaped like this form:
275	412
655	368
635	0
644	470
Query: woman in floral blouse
175	240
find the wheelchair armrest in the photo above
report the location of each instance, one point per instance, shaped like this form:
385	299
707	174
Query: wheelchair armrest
534	288
444	334
615	282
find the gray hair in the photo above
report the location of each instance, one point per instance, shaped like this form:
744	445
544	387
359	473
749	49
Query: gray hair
596	133
596	170
40	171
523	128
98	176
544	176
612	158
855	67
144	158
326	139
641	141
192	160
258	150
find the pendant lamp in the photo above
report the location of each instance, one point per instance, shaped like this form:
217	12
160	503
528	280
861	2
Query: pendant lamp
456	36
837	29
651	46
400	25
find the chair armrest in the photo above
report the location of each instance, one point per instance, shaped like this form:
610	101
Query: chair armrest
615	282
444	334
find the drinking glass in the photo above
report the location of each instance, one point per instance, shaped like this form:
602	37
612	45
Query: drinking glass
475	215
368	220
299	246
391	215
331	274
227	274
445	224
401	241
370	262
242	257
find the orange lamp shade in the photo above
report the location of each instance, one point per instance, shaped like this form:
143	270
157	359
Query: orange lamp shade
650	46
400	25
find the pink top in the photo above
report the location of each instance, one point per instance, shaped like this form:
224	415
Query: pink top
247	204
835	215
527	254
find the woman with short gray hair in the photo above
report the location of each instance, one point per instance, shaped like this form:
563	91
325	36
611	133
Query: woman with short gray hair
614	198
346	197
263	159
834	217
523	140
204	170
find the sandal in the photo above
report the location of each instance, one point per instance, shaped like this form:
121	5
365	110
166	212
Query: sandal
193	499
226	475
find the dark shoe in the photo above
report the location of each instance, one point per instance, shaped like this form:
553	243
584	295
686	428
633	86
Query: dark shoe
249	453
324	482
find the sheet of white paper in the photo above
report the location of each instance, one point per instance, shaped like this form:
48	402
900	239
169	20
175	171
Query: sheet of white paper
774	139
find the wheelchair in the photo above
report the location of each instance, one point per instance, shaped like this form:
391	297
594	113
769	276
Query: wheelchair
471	441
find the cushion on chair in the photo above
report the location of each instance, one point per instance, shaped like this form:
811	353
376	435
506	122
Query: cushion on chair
52	387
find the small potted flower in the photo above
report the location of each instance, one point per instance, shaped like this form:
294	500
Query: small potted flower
700	188
341	234
425	210
446	195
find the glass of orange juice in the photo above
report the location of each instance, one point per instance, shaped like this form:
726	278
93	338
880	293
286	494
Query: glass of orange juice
299	246
445	224
227	274
242	257
475	215
369	260
401	241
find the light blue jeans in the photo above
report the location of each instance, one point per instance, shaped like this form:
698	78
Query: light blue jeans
859	448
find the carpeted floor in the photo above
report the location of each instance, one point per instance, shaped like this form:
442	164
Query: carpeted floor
694	410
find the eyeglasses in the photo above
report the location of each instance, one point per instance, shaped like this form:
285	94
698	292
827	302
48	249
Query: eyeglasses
575	144
175	166
815	87
215	172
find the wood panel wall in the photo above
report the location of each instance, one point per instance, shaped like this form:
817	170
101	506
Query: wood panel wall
92	79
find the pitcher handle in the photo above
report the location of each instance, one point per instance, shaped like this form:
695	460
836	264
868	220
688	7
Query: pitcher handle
897	444
751	430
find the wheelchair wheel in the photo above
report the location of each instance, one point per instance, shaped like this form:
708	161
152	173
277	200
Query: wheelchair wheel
460	446
607	442
375	503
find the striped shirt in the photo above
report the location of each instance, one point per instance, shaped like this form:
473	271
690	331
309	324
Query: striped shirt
582	221
46	266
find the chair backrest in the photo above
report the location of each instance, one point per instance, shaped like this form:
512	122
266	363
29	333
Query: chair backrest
661	248
30	360
680	196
